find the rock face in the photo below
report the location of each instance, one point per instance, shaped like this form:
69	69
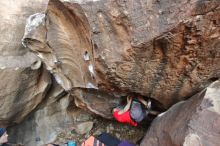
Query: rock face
24	81
149	46
44	125
62	40
57	39
194	122
130	46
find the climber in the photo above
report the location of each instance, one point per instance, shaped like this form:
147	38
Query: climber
122	114
134	112
3	137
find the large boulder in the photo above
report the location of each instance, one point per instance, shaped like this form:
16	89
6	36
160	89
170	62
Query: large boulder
24	81
164	49
194	122
47	121
130	46
44	125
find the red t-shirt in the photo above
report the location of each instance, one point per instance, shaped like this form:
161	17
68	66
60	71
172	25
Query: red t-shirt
124	118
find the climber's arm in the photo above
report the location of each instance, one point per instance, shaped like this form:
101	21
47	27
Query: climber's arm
127	107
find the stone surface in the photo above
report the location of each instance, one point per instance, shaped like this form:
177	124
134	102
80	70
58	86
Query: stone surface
194	122
57	39
149	46
46	122
84	127
24	80
100	103
62	40
131	46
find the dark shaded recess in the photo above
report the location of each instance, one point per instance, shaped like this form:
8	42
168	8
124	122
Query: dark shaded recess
213	79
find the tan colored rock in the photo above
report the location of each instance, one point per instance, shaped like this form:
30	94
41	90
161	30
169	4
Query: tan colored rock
194	122
135	46
66	49
164	49
84	127
24	80
46	122
100	103
62	40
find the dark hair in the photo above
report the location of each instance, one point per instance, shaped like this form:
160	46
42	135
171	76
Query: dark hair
55	144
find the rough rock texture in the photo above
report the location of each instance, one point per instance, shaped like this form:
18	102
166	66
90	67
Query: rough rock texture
24	81
43	125
135	46
149	46
194	122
